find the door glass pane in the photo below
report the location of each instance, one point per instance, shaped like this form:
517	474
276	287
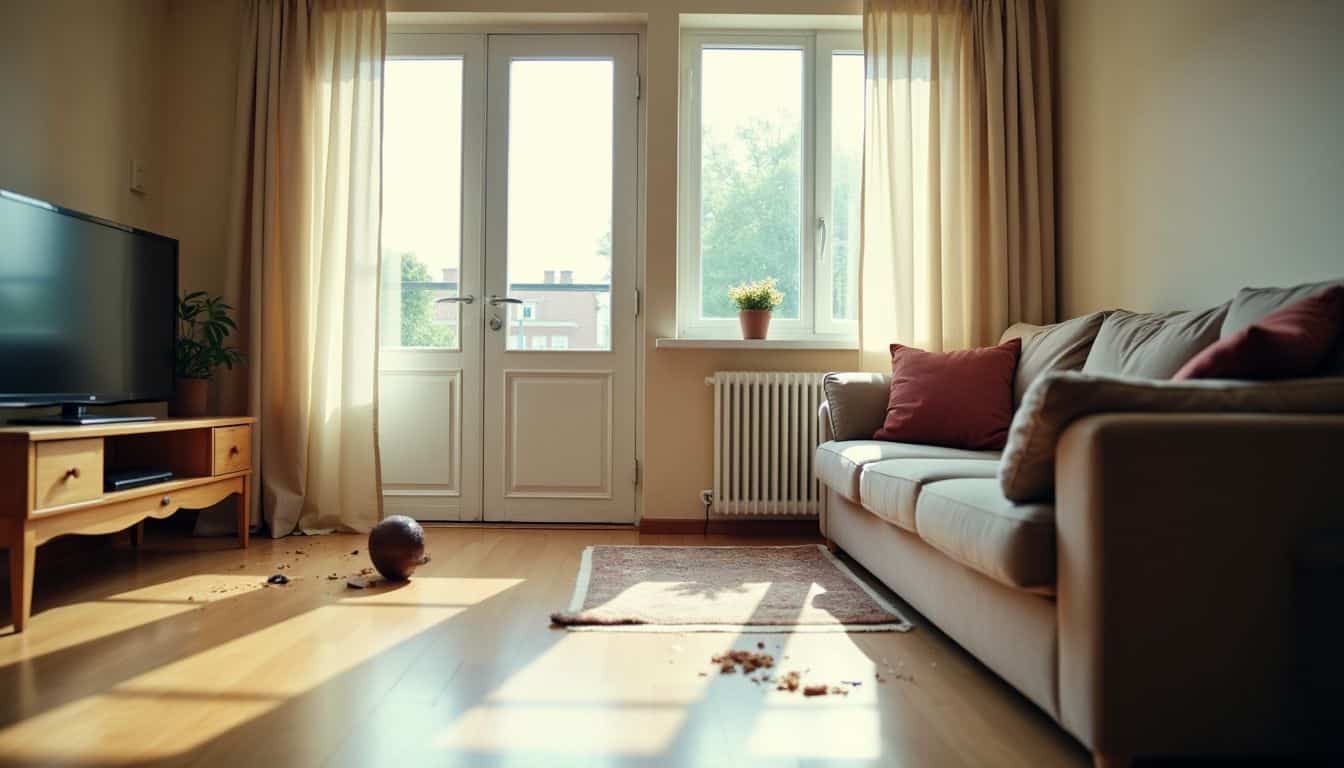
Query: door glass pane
846	158
751	121
559	208
422	202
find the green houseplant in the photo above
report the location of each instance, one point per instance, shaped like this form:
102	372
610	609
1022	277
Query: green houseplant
755	302
203	329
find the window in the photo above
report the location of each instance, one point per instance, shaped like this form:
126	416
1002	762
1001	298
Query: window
772	139
422	193
530	310
559	342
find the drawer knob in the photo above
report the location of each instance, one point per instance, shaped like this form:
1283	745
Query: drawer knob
165	501
233	450
72	472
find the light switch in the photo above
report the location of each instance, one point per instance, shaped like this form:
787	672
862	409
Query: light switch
137	176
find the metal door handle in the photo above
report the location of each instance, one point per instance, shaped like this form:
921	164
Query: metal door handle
455	299
497	300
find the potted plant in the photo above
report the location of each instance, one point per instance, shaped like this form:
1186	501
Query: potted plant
203	327
755	301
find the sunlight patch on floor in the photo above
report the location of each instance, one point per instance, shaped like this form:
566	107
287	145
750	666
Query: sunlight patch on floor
834	729
629	668
195	699
618	729
66	626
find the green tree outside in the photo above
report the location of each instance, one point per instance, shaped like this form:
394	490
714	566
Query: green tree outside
749	221
750	218
418	328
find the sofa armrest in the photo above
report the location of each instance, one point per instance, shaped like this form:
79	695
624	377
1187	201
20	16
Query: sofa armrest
824	435
1191	581
857	403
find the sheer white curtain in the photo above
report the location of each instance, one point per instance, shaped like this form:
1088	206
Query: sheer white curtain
958	196
305	256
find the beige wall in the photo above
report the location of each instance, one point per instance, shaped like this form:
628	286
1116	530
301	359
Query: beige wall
77	103
1201	149
88	86
195	128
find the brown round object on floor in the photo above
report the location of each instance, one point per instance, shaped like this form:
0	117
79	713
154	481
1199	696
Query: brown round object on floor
397	546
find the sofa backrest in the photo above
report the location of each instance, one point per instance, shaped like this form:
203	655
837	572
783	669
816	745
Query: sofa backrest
1152	345
1058	347
1251	304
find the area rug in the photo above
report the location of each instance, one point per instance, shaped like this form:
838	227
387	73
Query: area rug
723	589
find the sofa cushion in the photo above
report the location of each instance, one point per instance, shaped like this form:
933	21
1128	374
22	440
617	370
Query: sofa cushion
1252	304
839	463
858	403
970	521
961	399
1151	346
1291	341
889	488
1056	400
1059	347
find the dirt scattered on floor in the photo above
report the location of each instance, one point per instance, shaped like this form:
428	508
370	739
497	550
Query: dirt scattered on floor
278	578
754	666
748	661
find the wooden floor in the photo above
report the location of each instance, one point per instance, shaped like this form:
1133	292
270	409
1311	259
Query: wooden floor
178	656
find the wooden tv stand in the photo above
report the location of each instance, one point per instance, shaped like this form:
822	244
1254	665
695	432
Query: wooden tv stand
51	483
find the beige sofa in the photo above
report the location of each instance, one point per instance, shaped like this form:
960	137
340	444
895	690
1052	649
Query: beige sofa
1173	586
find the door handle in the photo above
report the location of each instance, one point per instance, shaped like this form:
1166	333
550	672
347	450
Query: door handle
455	299
495	301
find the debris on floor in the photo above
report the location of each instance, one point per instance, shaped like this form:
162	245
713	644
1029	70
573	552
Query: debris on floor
332	576
755	665
354	551
748	661
278	578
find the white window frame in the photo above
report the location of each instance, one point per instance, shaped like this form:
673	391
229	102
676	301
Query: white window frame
815	319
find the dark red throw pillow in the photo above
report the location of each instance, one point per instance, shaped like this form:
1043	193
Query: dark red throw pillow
1288	342
960	399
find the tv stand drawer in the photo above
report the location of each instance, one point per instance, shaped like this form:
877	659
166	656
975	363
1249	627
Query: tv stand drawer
232	449
67	471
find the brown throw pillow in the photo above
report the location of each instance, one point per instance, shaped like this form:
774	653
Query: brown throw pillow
960	399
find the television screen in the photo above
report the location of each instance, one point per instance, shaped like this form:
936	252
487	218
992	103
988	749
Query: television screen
87	307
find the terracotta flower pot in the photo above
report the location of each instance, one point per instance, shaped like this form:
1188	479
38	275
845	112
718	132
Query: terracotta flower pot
192	398
755	323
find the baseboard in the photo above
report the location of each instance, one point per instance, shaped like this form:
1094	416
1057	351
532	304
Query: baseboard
809	528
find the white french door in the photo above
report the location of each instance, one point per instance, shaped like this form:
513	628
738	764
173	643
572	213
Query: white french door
509	285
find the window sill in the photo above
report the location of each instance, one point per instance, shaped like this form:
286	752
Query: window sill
761	344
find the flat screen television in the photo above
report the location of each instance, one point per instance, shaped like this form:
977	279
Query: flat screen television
87	311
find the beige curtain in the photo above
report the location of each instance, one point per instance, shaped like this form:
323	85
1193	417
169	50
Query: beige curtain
958	194
304	253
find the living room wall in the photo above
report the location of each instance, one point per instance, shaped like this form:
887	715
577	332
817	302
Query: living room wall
88	87
77	85
1199	149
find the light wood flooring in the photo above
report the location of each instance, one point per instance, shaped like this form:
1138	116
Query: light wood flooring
176	655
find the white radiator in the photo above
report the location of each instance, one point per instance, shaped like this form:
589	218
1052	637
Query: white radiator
765	435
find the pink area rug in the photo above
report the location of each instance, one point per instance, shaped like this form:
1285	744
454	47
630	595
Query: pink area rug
723	589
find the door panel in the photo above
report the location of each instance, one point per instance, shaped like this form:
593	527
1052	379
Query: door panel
431	357
560	278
